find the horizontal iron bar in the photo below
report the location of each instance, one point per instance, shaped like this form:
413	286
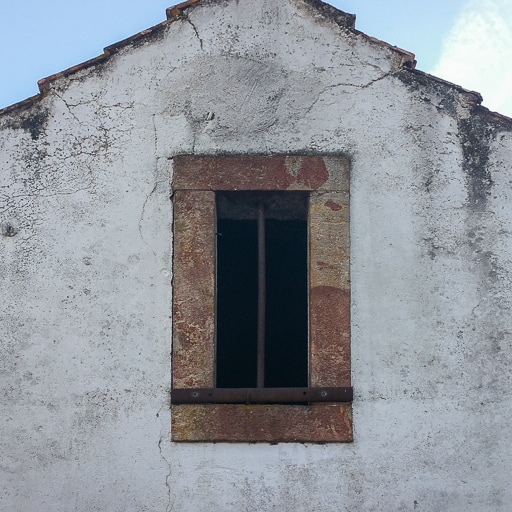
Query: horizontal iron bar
259	395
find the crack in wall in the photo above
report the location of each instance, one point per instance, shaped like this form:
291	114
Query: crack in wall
143	213
346	84
91	144
164	437
187	19
155	186
68	106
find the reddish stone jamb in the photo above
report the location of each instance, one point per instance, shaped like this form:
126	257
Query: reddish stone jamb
193	289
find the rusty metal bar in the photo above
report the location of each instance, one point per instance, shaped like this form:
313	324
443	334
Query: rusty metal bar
260	373
260	395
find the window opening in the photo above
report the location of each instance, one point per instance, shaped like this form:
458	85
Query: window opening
262	290
209	193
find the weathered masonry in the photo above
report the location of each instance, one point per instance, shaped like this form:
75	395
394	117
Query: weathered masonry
255	171
199	331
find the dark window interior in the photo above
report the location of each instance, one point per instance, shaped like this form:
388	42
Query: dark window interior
286	318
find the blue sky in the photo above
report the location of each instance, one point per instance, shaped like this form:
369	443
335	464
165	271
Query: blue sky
468	42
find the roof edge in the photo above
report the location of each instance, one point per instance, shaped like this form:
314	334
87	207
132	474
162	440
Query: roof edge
407	58
341	18
177	10
44	83
172	14
27	102
348	21
474	98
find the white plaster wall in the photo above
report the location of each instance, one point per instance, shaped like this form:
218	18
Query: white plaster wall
86	283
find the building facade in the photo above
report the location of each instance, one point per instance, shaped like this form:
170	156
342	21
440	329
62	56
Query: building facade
409	190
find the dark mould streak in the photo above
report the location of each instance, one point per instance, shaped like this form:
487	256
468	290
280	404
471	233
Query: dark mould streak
476	135
35	124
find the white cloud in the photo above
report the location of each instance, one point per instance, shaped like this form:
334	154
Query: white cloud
477	53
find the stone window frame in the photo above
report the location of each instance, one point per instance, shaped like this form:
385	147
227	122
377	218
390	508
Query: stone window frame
195	182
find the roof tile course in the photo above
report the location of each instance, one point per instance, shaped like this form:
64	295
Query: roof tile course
176	12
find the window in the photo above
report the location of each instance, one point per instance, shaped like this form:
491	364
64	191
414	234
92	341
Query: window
261	299
261	317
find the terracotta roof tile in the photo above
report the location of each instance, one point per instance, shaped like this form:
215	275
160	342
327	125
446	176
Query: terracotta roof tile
408	58
177	10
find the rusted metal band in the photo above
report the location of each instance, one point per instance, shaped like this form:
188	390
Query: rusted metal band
260	395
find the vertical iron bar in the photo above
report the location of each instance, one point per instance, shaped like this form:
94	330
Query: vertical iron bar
260	376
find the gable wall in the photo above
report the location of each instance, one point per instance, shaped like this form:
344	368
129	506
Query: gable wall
86	286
